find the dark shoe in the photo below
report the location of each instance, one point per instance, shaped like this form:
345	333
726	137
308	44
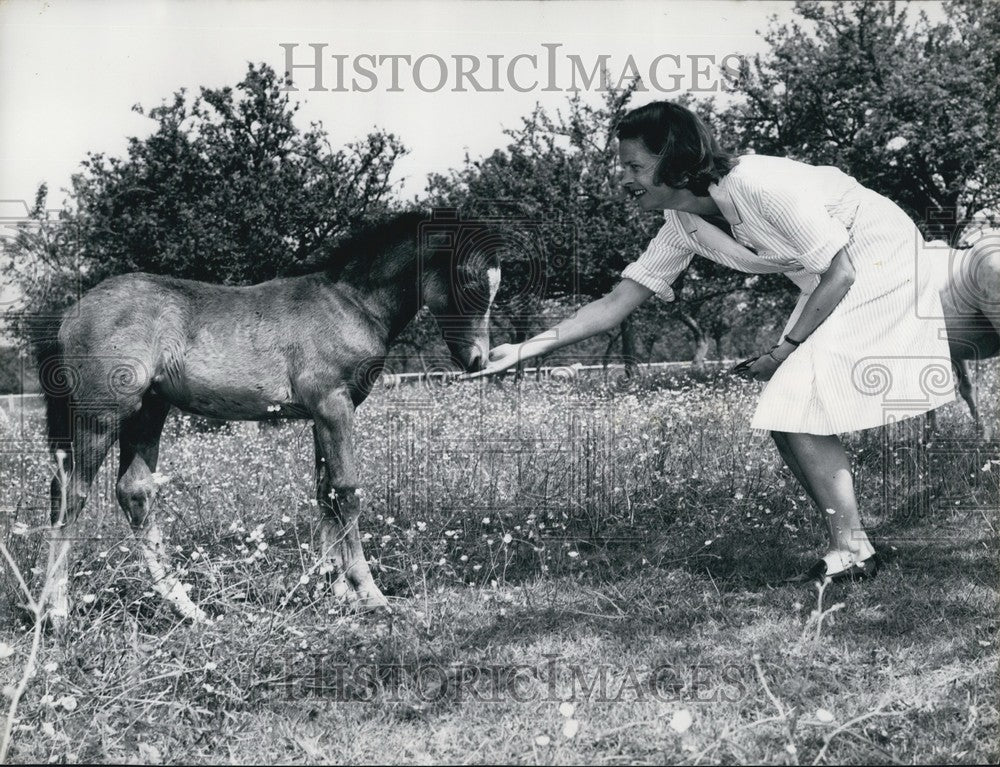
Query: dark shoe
856	572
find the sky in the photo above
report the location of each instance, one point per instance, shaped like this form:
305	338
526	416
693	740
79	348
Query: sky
71	70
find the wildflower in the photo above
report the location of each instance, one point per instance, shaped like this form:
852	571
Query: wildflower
570	728
824	716
542	740
681	721
567	709
68	702
507	538
896	143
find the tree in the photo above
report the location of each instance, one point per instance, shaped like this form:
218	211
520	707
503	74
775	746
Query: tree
226	189
908	107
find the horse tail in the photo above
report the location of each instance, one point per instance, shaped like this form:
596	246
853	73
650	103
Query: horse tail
57	385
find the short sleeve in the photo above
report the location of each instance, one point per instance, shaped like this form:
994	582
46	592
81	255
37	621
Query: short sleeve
664	259
813	235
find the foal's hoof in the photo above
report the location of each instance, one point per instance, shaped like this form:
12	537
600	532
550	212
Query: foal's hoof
370	601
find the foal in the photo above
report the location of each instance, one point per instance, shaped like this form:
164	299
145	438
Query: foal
309	346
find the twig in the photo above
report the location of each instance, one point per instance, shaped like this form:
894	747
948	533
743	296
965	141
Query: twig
869	715
783	714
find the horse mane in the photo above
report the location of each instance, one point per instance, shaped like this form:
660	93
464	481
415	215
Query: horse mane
358	249
366	247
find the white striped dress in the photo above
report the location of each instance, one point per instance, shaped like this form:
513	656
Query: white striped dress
882	354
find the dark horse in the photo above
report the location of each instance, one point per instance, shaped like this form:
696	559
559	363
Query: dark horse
308	346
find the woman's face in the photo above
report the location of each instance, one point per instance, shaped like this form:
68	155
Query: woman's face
638	166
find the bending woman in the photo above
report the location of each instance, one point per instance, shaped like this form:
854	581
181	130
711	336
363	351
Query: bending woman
858	350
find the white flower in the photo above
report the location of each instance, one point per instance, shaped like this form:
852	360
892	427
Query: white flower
68	702
823	715
681	721
567	709
570	728
6	650
897	143
507	538
542	740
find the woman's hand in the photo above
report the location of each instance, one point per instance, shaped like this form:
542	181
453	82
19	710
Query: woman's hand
762	368
501	358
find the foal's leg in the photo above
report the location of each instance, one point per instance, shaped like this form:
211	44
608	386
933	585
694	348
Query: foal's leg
77	464
140	444
826	476
336	489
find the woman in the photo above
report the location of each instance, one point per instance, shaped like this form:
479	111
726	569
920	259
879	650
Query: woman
856	351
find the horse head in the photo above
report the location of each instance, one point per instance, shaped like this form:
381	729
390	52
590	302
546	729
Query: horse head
461	276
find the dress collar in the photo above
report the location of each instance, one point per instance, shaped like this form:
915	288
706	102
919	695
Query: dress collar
719	192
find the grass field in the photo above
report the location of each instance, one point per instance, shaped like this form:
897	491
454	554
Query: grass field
580	572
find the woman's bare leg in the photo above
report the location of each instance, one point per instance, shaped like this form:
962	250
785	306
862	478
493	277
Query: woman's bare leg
820	463
785	450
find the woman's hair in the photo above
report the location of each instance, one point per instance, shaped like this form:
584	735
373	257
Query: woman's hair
690	157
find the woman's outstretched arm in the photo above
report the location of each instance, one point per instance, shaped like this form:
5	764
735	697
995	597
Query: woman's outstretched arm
596	317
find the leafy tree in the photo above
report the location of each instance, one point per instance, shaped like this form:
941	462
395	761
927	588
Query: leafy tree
226	189
559	175
907	106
